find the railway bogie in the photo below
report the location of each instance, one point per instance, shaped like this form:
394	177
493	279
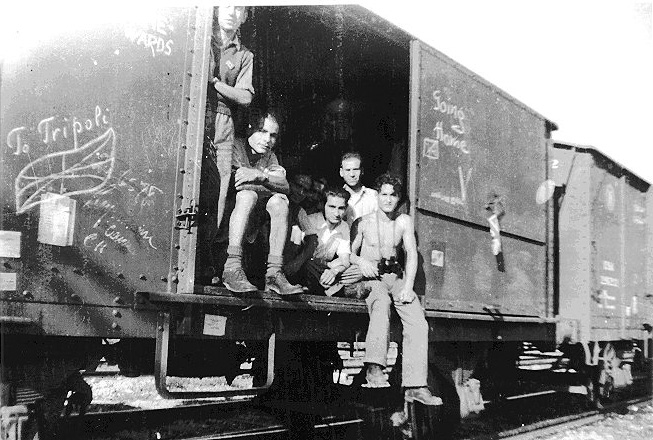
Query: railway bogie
519	239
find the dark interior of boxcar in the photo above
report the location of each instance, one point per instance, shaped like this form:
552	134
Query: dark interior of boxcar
336	85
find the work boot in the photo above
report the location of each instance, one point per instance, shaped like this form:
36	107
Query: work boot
236	281
375	377
422	395
278	283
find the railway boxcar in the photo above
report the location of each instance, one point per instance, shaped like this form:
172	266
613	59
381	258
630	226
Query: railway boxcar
604	263
103	126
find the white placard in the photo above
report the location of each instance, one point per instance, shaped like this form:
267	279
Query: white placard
9	244
57	219
214	325
437	258
8	281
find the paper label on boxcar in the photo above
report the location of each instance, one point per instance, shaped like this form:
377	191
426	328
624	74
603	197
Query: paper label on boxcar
7	281
9	244
214	325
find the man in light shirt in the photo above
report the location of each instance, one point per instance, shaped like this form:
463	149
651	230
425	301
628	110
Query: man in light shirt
362	200
325	252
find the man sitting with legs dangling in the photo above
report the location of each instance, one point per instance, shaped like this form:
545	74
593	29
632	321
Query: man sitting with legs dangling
376	240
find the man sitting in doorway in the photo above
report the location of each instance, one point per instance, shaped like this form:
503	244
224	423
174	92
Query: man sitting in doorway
325	252
260	182
376	240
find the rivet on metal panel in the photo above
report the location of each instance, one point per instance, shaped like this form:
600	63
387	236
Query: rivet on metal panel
7	265
499	337
177	246
160	328
189	73
116	314
27	294
75	297
185	122
115	326
142	277
118	300
181	196
78	271
175	268
54	269
182	171
187	98
164	279
120	275
184	146
175	279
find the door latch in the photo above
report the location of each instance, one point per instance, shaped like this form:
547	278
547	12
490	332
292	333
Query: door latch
187	218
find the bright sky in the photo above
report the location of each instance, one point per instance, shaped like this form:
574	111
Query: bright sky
586	65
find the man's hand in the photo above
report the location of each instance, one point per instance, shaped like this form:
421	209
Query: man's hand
405	296
368	269
328	277
247	175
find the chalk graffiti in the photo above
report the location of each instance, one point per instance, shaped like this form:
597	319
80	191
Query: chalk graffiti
83	170
114	230
448	108
154	36
448	139
431	148
463	180
53	129
139	194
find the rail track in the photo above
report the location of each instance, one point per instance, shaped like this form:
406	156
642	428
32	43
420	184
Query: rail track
549	427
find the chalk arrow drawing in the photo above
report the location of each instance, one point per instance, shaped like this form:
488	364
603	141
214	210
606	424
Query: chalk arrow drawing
84	170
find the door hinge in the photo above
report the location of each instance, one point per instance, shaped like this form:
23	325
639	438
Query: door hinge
187	218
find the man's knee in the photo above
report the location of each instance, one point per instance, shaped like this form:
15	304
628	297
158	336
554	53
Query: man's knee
277	206
246	199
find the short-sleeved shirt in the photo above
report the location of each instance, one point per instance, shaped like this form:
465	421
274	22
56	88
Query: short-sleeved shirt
361	203
233	64
332	243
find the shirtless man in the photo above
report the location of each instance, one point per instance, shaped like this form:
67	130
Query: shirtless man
377	238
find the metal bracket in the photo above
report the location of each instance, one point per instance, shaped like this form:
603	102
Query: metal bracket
187	218
161	367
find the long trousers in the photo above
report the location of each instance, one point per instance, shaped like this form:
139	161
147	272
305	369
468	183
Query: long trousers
415	330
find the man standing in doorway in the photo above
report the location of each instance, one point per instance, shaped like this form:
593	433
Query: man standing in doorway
231	78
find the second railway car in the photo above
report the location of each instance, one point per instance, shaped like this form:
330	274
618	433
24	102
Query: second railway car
103	126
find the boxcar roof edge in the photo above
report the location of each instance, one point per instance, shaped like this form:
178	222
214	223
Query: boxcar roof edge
393	32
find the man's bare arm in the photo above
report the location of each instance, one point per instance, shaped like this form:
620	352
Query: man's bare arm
410	247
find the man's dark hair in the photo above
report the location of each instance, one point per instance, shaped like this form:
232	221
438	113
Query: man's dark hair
337	192
351	155
257	121
389	179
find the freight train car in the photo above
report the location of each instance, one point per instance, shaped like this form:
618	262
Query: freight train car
605	306
103	126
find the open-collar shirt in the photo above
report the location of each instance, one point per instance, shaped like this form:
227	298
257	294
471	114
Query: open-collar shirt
361	203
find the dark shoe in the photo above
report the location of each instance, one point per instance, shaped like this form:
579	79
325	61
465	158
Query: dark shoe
279	284
236	281
422	395
375	377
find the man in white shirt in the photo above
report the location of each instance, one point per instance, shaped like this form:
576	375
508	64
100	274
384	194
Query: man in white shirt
325	252
362	200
